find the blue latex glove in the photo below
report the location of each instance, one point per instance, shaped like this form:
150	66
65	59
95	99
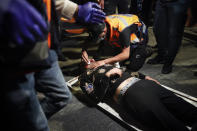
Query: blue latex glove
90	13
24	24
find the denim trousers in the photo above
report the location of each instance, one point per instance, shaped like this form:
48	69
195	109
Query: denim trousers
20	106
51	83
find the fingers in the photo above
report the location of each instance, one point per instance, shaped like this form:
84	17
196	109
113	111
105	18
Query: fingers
91	66
97	20
97	16
18	39
37	19
95	5
92	60
102	4
37	32
85	58
98	13
28	35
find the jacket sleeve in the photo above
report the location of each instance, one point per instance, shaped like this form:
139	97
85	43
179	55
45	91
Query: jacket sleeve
66	8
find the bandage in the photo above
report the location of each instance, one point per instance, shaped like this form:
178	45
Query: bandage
88	63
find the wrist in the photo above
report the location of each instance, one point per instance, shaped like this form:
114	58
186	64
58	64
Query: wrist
77	11
105	61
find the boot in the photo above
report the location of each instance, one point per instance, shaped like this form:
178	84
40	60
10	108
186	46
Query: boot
166	69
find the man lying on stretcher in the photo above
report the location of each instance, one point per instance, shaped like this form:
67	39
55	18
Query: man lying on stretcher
142	97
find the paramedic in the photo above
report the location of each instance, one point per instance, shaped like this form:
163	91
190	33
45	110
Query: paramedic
126	32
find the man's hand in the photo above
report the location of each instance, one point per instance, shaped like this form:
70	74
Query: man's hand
95	64
85	57
149	78
90	13
101	3
24	24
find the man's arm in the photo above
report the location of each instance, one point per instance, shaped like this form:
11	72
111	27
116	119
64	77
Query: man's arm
66	8
84	57
89	12
142	76
120	57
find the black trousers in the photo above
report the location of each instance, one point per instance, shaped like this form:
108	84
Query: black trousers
111	5
158	108
168	28
137	58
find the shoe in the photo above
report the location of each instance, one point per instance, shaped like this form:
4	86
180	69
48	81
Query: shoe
166	69
195	73
156	60
149	51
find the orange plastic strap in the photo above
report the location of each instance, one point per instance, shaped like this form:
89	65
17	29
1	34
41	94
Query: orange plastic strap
48	6
67	20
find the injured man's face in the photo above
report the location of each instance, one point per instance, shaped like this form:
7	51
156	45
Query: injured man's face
114	71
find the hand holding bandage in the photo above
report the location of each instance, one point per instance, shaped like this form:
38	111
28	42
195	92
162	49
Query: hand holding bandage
86	60
95	64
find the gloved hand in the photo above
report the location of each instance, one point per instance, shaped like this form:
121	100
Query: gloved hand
90	13
23	23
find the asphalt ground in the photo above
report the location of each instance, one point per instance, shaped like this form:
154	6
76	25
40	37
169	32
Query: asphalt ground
80	116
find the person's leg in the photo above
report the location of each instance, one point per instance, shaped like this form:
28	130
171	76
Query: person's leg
137	58
176	21
146	13
160	30
51	83
110	7
158	108
21	108
133	7
123	6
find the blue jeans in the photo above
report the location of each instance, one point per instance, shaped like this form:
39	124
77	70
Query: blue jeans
51	83
19	104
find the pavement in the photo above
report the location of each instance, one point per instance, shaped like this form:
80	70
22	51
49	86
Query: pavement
78	115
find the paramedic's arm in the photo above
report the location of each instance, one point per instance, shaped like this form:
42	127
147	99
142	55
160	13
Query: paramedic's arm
142	76
66	8
120	57
151	79
89	12
124	38
84	56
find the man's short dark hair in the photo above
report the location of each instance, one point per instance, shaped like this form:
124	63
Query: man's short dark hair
95	30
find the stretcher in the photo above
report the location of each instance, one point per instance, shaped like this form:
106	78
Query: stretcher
118	114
